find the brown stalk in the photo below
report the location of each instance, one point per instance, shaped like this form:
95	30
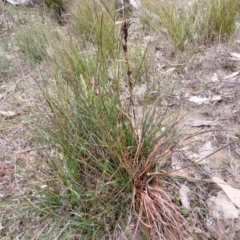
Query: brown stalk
124	35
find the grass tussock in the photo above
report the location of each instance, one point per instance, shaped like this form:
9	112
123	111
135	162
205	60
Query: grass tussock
106	150
167	19
33	41
104	171
207	21
218	20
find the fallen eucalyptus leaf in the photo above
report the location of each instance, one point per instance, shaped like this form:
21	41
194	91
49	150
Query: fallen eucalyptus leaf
201	123
8	113
232	193
198	100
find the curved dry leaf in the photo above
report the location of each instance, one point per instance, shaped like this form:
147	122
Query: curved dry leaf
232	193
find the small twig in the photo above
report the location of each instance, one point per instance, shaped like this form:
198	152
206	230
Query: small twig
62	231
39	233
10	90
